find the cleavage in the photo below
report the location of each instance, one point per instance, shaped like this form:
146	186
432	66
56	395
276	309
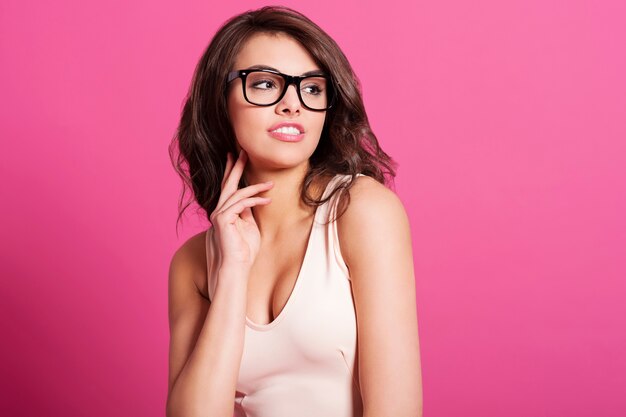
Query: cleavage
273	278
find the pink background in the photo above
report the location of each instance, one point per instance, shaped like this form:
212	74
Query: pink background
507	120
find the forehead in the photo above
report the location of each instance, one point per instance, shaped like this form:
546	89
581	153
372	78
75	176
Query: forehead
275	50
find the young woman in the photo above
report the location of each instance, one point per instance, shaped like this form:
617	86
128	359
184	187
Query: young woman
299	300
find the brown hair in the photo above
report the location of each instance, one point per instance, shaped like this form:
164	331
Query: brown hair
347	144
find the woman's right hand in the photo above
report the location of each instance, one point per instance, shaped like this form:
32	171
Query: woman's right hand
235	232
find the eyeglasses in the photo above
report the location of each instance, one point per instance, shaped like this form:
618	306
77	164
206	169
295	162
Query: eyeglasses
264	87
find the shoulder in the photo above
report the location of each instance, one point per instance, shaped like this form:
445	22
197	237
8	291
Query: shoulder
375	242
374	212
366	191
189	263
371	204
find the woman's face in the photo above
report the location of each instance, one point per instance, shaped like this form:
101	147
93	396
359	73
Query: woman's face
253	124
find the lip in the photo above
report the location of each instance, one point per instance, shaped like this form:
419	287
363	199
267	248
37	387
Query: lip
285	137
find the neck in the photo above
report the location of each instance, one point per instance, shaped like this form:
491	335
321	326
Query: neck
286	208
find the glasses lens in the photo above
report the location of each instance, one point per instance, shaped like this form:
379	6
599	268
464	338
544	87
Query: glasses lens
264	87
315	92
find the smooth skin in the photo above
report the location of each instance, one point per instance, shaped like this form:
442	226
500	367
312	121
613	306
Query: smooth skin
252	224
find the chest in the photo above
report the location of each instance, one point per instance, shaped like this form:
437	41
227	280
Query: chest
273	277
316	332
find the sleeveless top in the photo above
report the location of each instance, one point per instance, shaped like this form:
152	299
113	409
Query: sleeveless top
304	362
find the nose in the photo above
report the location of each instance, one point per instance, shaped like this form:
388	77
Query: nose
290	101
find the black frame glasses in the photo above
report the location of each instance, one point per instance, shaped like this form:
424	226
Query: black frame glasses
289	79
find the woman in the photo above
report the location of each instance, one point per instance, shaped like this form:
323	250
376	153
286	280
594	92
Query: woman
300	299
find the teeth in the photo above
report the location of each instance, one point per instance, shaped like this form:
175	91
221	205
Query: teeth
289	130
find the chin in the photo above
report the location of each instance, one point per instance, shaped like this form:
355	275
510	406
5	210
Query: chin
281	160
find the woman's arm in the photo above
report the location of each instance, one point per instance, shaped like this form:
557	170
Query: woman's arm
375	242
206	340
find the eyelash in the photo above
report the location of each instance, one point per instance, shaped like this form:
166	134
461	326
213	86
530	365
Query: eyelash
262	82
319	90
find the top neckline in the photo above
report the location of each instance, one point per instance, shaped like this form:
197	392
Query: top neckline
303	267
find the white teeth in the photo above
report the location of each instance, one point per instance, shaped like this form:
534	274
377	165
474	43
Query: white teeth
289	130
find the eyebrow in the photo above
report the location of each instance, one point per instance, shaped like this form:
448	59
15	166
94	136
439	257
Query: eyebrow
314	72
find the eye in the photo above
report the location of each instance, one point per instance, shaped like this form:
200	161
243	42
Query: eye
313	89
263	84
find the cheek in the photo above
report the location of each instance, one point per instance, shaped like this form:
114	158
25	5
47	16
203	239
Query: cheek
247	123
236	113
232	103
320	122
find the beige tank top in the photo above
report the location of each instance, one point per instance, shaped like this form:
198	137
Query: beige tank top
304	362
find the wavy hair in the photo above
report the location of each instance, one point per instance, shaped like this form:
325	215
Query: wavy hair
204	135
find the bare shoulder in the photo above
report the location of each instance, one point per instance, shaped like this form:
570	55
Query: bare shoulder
375	242
366	190
189	262
374	212
187	306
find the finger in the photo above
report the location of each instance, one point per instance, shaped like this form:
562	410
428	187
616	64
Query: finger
233	212
245	192
228	187
246	215
229	166
235	173
232	162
